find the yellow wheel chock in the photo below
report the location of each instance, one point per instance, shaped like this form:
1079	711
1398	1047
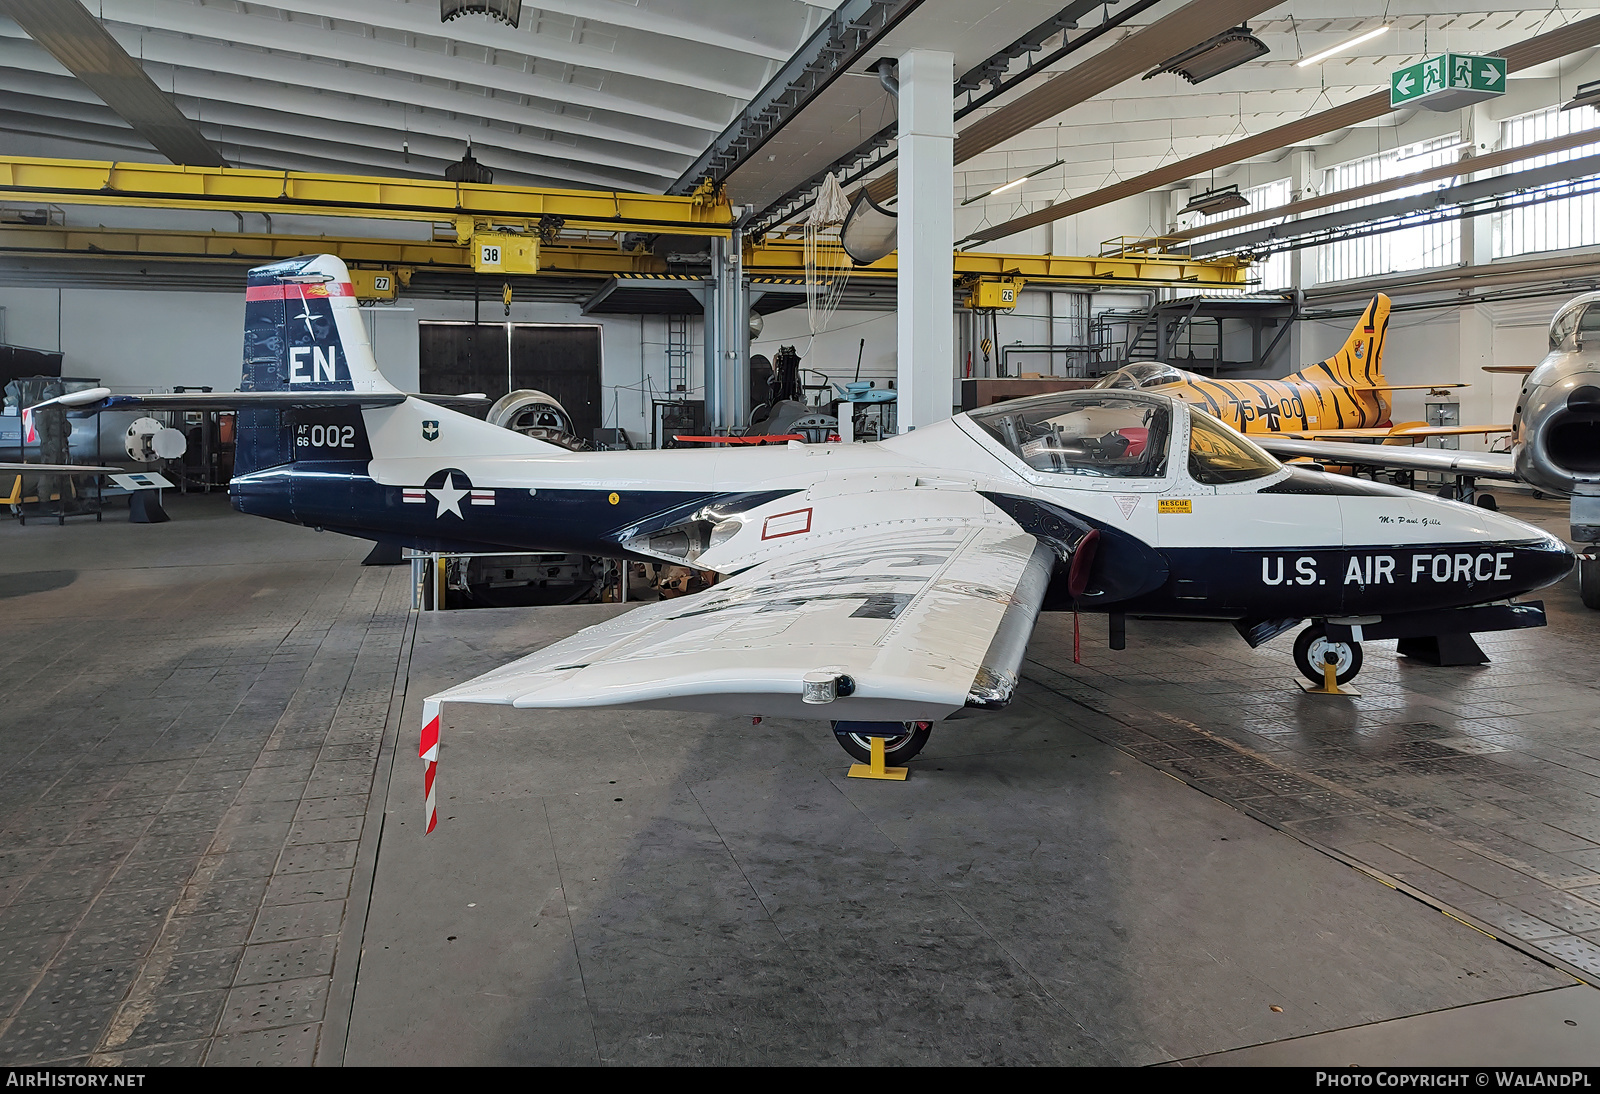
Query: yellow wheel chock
875	769
1330	679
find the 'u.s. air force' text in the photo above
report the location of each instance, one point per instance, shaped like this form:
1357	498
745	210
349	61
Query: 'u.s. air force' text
1387	569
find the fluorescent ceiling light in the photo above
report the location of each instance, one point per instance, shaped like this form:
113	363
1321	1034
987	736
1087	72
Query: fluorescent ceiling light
1342	46
1217	201
1014	182
1214	56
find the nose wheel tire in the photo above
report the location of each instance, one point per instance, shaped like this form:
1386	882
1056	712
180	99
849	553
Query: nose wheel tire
1589	581
908	739
1312	648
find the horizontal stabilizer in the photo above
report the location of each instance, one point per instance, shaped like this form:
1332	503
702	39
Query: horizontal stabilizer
59	469
248	400
271	400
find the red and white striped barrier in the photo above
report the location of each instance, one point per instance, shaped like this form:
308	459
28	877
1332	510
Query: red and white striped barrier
428	750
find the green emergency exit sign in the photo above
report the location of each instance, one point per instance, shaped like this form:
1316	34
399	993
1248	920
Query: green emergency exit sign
1448	81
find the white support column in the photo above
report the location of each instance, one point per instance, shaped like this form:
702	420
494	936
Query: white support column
926	237
1304	182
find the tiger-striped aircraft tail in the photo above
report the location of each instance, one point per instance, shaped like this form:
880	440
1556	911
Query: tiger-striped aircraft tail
1344	397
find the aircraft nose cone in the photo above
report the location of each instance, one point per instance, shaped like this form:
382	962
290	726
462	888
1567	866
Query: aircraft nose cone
1542	563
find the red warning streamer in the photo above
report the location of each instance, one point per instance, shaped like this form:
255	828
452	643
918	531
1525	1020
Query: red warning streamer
428	750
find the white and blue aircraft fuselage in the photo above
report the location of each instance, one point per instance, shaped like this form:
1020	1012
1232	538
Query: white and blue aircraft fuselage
890	582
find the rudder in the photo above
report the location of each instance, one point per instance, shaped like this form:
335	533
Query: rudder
302	332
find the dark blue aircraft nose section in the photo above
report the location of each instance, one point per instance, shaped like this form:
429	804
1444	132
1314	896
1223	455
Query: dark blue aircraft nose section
1541	563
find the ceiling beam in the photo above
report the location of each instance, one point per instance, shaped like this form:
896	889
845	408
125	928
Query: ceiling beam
1469	166
1582	34
84	48
1167	37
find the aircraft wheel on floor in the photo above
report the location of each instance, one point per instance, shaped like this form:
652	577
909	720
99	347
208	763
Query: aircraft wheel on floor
1312	648
907	739
1589	581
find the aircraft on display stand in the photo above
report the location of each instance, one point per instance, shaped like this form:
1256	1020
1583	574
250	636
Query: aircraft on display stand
1342	398
881	586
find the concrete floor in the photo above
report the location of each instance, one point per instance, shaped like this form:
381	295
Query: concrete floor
212	845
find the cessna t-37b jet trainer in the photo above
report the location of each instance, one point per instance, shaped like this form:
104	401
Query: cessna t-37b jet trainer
881	587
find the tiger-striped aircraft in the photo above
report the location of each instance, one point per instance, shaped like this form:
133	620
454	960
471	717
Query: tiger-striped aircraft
1343	397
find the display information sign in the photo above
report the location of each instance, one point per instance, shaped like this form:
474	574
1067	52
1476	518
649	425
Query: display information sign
1448	81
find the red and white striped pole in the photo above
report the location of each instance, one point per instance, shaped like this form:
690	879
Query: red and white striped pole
428	750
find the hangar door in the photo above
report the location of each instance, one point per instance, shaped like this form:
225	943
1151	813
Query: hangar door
560	359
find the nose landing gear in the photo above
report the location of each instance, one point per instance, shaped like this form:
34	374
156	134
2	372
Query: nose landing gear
1589	575
1311	650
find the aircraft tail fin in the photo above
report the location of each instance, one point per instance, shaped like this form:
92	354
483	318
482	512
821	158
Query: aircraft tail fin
1359	362
303	332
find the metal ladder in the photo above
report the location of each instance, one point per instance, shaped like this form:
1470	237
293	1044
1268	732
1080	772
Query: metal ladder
677	356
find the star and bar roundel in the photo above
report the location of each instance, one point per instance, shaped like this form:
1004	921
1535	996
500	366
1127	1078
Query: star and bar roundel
447	491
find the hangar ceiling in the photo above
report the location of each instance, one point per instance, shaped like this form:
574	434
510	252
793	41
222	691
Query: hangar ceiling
1140	125
632	94
601	93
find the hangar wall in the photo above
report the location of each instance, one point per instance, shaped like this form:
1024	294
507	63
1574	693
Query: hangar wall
136	340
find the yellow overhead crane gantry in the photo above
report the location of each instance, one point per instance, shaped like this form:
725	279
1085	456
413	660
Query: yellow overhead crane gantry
507	230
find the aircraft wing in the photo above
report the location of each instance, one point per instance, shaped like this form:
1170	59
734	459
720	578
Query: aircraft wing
898	621
1397	433
60	469
1402	387
1483	465
922	622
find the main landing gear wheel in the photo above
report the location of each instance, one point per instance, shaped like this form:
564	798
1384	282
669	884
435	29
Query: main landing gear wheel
1589	581
897	749
1312	648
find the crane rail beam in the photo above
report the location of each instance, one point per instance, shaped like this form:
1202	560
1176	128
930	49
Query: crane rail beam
589	260
226	189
